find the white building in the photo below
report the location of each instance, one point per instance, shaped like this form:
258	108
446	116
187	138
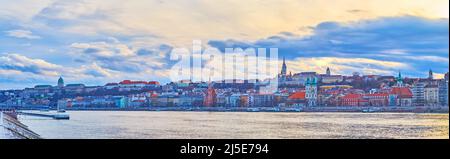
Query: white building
418	91
431	94
311	91
443	92
332	79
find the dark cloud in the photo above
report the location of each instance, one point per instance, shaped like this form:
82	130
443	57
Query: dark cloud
91	50
117	56
144	52
424	42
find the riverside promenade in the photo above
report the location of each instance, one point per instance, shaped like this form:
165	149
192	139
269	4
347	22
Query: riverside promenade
11	128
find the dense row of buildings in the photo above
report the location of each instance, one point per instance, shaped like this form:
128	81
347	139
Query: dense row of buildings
306	89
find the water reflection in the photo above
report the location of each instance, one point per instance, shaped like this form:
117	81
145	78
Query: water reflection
194	125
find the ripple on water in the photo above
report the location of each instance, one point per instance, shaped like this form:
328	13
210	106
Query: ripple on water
194	125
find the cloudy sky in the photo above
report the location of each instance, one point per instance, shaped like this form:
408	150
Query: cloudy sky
98	41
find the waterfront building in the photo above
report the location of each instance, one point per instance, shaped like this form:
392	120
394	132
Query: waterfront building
222	99
353	100
297	99
377	99
261	100
14	103
431	94
244	100
137	100
392	100
403	96
63	104
120	102
164	101
311	91
418	91
281	98
78	102
189	101
234	100
211	97
443	92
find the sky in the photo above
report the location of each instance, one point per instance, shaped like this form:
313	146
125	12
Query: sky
95	41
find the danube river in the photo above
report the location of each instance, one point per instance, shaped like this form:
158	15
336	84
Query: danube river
236	125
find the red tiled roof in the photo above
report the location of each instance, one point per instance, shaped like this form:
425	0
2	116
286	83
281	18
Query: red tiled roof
352	96
334	92
132	82
403	92
377	95
298	95
153	82
139	82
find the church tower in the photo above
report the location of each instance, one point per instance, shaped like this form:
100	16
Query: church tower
211	96
284	67
311	91
399	80
328	71
60	82
430	74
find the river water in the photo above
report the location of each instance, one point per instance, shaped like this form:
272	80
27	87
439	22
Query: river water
237	125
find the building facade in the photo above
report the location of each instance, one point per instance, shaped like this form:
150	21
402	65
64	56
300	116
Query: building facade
311	91
443	92
418	91
431	94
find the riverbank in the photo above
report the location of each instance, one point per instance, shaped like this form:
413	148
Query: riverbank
422	109
11	128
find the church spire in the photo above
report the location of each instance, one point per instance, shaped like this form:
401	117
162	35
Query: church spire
284	67
328	71
399	79
430	74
